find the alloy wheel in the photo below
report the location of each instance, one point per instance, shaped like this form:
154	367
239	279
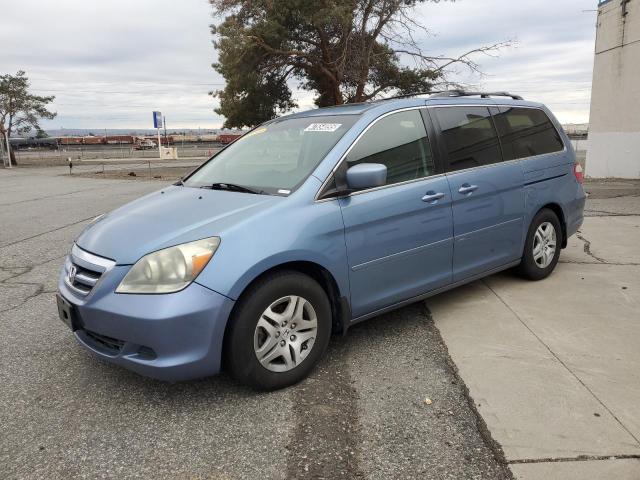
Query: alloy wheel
544	244
285	333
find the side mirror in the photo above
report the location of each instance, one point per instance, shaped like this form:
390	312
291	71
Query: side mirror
366	175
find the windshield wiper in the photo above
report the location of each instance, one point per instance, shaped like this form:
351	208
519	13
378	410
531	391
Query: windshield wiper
232	187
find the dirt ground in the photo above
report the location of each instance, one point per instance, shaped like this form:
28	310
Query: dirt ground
164	174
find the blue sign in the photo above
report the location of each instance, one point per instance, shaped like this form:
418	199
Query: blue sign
157	119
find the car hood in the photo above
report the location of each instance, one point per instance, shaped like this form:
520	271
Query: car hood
168	217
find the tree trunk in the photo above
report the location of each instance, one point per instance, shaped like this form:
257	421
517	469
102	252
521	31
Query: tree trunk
10	153
337	95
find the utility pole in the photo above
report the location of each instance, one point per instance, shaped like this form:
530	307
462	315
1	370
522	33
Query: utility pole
164	121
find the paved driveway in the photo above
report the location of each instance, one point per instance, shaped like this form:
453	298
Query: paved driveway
64	414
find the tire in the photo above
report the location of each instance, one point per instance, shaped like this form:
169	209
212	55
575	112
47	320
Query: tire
263	316
538	265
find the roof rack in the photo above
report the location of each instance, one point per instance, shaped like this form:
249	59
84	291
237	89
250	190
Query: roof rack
407	95
463	93
452	94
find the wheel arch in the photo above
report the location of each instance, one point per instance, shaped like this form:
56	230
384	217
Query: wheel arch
557	209
340	307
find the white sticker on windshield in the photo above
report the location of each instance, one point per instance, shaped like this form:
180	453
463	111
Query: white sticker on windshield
323	127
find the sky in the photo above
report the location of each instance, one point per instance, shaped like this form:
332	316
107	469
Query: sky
111	63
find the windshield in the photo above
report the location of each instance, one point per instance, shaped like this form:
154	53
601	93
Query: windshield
274	158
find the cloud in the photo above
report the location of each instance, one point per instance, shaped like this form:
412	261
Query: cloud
111	63
552	57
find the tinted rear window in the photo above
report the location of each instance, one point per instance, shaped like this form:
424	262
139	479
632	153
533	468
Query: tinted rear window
526	132
469	136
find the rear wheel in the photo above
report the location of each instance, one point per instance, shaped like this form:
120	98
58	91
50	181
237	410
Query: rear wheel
278	331
542	247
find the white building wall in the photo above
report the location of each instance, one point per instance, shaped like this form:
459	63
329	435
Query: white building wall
614	124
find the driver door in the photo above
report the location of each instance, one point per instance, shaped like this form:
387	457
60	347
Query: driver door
399	237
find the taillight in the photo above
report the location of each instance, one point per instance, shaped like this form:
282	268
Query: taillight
577	171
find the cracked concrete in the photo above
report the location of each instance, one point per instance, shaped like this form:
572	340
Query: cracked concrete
604	213
612	188
36	226
618	198
616	468
554	364
580	458
611	240
587	248
22	284
46	197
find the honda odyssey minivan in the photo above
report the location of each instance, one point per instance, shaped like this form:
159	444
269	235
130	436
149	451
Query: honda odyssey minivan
316	221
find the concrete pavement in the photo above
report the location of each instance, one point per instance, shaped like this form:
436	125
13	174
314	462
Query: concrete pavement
554	366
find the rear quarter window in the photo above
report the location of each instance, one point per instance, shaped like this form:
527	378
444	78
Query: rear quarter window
526	132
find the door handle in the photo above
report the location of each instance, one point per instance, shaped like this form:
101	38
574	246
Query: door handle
466	188
432	196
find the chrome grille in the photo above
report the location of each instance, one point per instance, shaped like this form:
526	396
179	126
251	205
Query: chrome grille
83	270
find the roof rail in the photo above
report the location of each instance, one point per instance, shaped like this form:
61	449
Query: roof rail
407	95
451	94
463	93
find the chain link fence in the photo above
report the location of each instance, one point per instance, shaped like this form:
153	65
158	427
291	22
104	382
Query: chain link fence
109	152
171	170
580	146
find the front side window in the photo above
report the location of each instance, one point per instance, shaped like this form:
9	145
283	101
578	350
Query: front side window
526	132
276	157
469	136
398	141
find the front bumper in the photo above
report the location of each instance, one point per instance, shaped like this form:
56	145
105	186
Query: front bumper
170	337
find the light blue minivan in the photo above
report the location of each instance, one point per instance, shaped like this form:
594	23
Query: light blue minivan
316	221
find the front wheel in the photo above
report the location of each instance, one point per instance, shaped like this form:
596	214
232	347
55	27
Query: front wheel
542	247
278	331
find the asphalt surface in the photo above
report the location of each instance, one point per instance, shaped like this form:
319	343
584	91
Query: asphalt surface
64	414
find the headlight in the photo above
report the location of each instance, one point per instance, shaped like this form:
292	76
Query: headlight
169	270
